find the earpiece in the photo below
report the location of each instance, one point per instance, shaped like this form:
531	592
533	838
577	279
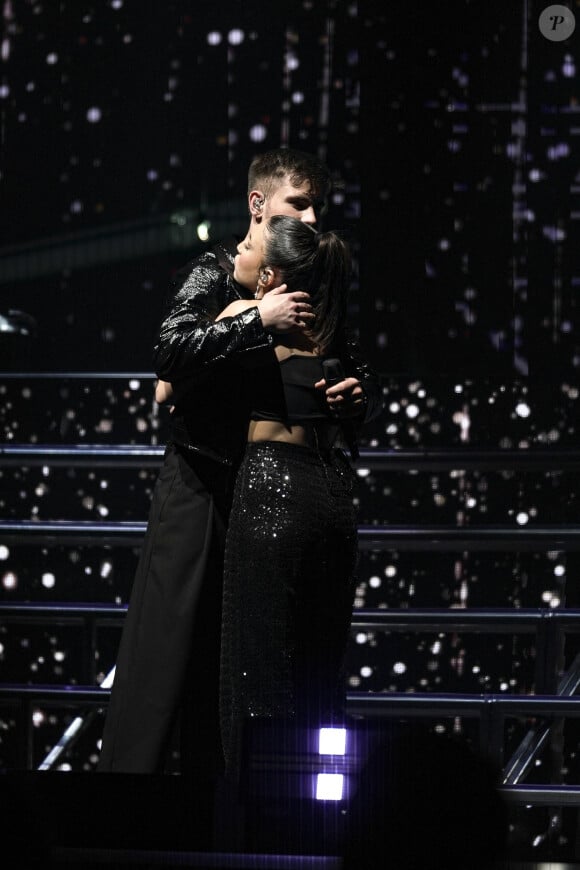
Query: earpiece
259	204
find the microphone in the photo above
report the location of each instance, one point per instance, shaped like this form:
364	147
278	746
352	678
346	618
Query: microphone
332	371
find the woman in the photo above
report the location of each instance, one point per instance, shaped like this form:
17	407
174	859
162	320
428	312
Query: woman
291	545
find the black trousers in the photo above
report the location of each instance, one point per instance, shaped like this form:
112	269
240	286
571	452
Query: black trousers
288	590
168	661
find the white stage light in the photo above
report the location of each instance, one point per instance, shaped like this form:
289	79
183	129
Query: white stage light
329	786
332	741
203	231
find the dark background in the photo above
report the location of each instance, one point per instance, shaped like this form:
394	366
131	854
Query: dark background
451	131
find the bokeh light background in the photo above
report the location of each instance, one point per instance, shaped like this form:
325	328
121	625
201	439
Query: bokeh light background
126	129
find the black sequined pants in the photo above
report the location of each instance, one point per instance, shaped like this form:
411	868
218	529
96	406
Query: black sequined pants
291	551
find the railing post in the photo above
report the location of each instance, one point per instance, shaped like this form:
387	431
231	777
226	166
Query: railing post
29	734
491	732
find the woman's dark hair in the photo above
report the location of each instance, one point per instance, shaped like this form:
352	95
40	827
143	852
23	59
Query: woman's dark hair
318	263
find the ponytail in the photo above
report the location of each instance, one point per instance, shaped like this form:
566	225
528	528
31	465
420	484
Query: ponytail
318	263
329	289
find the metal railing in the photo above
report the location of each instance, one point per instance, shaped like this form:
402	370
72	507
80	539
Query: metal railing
555	700
432	459
490	709
415	538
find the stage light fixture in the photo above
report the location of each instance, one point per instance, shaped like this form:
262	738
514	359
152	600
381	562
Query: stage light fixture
332	741
203	230
329	786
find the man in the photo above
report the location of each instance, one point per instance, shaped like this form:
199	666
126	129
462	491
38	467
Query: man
168	662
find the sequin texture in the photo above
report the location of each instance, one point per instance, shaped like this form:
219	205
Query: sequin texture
288	588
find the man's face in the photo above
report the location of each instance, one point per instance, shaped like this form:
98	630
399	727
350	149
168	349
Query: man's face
299	202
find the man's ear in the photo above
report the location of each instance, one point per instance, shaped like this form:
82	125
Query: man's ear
256	200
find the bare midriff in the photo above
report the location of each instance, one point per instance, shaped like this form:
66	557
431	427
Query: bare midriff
320	435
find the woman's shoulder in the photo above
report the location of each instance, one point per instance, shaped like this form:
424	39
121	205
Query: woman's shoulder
237	307
241	305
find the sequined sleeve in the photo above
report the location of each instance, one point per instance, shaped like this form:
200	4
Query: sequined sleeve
357	367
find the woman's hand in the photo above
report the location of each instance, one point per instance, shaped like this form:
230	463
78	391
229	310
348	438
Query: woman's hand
345	399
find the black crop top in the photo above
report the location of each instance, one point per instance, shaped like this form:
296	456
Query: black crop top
303	402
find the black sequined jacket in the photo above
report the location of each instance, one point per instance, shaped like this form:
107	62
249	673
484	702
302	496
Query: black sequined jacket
209	363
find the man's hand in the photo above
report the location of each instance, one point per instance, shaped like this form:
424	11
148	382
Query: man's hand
285	312
345	399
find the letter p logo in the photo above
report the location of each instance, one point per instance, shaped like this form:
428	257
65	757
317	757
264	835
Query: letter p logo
557	23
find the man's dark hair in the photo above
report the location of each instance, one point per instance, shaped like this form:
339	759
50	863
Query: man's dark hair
268	170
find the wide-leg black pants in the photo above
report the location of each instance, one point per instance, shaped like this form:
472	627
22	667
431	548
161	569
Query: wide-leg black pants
289	586
168	659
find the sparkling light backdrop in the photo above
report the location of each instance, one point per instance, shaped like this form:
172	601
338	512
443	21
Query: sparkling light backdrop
451	136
